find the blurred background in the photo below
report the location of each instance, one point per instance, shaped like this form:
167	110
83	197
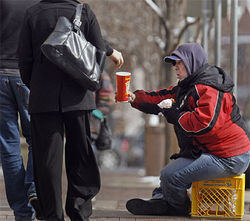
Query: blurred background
147	30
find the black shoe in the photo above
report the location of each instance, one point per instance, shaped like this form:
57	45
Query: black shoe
147	207
155	207
33	200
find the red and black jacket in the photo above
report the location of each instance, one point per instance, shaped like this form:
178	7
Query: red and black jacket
208	118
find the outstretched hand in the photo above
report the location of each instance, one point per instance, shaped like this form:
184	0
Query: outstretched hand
131	97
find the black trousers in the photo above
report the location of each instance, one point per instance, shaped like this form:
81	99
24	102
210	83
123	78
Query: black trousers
48	130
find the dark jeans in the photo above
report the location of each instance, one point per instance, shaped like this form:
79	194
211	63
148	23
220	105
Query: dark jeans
18	181
83	176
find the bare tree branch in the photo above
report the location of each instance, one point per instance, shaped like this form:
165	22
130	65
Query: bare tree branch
160	42
182	31
159	13
155	8
198	31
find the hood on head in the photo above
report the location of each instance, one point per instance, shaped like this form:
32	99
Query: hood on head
192	55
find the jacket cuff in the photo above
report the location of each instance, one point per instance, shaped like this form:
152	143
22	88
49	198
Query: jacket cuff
109	49
149	108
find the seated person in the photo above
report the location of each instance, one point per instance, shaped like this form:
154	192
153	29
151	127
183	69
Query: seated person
213	139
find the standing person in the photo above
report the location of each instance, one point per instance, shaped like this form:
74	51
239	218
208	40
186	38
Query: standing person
213	139
19	183
58	106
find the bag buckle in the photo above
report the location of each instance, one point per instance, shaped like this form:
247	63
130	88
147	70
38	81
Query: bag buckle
77	23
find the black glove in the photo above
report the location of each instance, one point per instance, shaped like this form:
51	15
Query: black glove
175	156
171	114
189	152
149	108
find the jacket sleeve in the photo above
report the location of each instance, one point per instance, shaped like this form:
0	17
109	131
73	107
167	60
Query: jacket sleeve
109	49
146	101
93	34
25	52
203	118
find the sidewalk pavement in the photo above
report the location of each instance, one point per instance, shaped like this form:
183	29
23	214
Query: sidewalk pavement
117	187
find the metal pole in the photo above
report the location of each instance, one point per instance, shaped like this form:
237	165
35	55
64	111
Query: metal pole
205	24
218	9
234	43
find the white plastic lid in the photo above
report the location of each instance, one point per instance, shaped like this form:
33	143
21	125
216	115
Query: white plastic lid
123	73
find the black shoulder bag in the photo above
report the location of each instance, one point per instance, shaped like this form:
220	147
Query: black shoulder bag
68	48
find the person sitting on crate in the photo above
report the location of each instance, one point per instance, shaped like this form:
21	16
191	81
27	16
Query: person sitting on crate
100	130
213	139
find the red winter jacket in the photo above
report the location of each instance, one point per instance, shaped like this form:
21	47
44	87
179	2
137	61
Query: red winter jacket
208	117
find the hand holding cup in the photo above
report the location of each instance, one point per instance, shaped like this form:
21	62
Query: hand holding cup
131	97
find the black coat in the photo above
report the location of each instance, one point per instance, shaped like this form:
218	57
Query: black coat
11	17
50	88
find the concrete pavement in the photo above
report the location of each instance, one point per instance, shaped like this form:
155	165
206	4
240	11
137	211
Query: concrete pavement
117	187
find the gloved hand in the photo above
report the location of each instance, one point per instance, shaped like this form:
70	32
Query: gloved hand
167	103
189	152
175	156
171	114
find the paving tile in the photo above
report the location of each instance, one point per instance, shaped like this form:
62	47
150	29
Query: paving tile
105	204
108	219
104	219
132	219
4	212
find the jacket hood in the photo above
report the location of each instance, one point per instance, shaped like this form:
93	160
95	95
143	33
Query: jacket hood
192	55
199	71
212	76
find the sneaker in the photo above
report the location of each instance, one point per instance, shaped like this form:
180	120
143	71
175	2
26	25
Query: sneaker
154	207
33	200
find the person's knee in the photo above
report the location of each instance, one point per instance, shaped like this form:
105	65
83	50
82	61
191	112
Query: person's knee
170	179
167	176
165	173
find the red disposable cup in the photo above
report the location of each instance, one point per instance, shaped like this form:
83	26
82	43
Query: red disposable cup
122	86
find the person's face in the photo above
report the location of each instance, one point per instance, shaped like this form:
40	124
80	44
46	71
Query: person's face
181	72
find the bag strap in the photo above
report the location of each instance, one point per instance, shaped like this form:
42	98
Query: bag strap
77	21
